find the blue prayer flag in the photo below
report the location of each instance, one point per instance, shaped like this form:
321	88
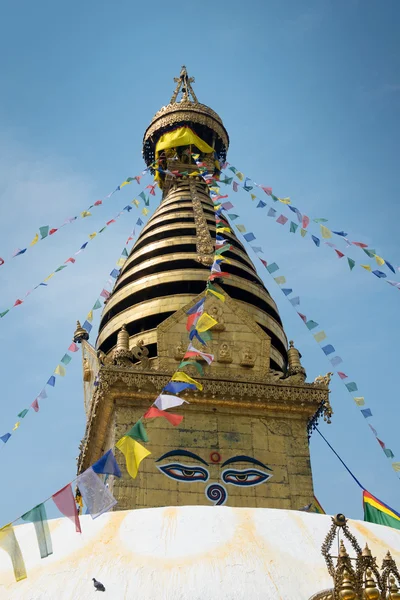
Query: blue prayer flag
390	266
52	381
257	249
83	246
366	412
272	268
175	387
195	309
311	324
316	240
4	438
336	360
261	204
328	349
127	208
249	237
379	274
295	301
342	233
107	465
287	291
139	221
114	273
194	333
271	212
88	326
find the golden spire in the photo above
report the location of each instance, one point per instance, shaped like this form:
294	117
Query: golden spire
184	85
294	365
80	333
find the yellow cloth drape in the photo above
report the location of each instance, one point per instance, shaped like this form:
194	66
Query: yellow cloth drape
9	543
183	136
134	454
205	322
217	294
181	376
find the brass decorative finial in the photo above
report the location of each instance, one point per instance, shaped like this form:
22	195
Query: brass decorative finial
184	85
371	591
80	333
122	356
347	591
294	364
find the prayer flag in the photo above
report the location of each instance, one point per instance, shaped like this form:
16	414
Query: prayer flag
280	280
211	290
241	228
240	175
44	231
139	222
284	200
271	212
23	413
86	325
66	359
92	235
340	254
19	251
52	381
267	190
311	324
366	412
71	260
60	268
85	213
321	220
9	543
35	240
294	301
253	197
293	227
97	497
97	305
379	274
351	263
235	186
336	360
305	221
181	376
272	268
282	219
325	232
321	335
315	240
18	302
38	517
341	233
107	465
138	432
287	291
328	349
302	317
352	386
35	405
175	387
366	267
192	363
256	249
59	370
134	454
165	401
388	452
4	438
191	351
390	266
261	204
249	237
197	308
65	502
359	400
205	322
154	412
303	232
342	375
379	260
396	466
375	511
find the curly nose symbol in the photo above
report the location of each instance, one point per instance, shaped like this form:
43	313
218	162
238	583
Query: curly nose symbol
216	493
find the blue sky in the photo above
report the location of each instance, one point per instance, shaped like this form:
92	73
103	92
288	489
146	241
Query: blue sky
309	93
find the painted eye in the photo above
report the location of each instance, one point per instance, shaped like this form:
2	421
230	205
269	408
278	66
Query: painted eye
183	472
246	477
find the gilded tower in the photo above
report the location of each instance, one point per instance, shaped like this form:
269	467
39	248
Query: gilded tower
244	437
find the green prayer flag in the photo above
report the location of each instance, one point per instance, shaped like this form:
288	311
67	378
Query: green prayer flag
311	324
193	363
44	231
60	268
66	359
206	335
223	249
4	313
233	217
385	516
24	412
147	201
102	229
293	227
124	252
370	253
97	305
351	263
320	220
38	517
274	198
138	432
388	452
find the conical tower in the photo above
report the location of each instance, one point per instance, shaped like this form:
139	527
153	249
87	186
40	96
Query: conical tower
244	438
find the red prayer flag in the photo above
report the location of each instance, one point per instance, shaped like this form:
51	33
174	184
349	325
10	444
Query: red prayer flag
360	244
215	275
267	190
281	219
109	222
65	502
305	221
98	202
155	412
73	347
191	320
71	260
264	262
18	302
302	317
342	375
340	254
382	444
52	231
105	294
35	405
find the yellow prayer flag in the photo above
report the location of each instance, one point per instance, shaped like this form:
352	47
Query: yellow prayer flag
321	335
85	213
196	156
366	267
241	228
194	173
120	262
396	466
145	211
239	175
224	230
325	232
90	316
49	277
134	454
35	240
60	370
217	206
379	260
17	424
9	543
125	183
280	280
253	197
135	202
284	200
92	235
205	322
360	401
181	376
217	294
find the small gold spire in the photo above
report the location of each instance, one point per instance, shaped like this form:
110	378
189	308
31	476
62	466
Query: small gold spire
80	333
366	551
347	591
342	550
123	339
294	364
394	590
371	591
183	84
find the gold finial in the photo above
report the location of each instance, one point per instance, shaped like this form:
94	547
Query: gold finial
366	551
394	593
347	591
183	84
294	364
342	550
123	339
80	333
371	591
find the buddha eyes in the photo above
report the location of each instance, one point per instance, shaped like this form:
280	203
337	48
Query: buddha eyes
183	472
244	477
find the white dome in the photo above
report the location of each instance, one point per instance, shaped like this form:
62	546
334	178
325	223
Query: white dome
185	553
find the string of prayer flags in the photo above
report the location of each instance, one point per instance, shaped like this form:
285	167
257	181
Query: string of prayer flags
134	454
65	502
38	517
96	496
328	350
9	543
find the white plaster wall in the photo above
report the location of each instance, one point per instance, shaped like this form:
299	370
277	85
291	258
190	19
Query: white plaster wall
182	553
